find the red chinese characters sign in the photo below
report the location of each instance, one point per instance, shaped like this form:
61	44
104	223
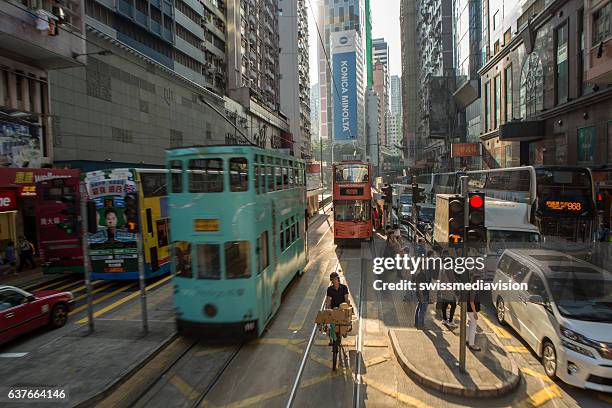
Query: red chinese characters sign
465	149
25	179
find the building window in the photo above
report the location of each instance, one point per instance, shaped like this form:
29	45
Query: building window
508	156
562	63
532	86
602	24
507	37
497	101
487	107
610	142
508	94
586	144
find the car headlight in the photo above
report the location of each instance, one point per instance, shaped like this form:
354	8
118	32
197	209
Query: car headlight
578	338
71	295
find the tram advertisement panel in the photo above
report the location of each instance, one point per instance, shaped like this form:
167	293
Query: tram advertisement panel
113	247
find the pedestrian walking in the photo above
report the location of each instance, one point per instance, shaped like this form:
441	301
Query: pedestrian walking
9	256
26	253
473	307
421	280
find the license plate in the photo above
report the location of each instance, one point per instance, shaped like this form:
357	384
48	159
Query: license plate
206	225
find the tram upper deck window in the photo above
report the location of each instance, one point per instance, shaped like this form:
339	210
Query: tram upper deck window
153	184
279	177
206	176
239	174
209	261
176	178
352	173
237	259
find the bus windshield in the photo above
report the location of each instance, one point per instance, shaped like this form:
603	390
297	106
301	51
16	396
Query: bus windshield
352	210
565	186
352	173
502	236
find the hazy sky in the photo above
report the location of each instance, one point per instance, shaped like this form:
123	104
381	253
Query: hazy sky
385	23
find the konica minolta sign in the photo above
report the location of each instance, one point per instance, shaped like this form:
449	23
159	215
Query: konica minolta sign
344	86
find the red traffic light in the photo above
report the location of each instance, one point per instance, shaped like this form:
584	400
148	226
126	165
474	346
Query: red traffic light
599	197
476	201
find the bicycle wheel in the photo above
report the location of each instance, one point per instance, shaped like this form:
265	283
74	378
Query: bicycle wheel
335	348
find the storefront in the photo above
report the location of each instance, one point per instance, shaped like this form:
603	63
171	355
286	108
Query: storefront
18	197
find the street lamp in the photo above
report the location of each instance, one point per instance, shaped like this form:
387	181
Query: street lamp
103	52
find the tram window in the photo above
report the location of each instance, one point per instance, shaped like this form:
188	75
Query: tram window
285	178
279	178
270	178
206	176
209	261
239	174
182	259
293	228
262	179
237	259
176	167
291	175
282	240
162	232
262	252
153	184
257	177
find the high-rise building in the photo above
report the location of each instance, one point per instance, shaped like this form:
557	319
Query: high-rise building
30	48
380	52
333	17
294	70
381	87
394	122
372	127
409	79
315	115
368	30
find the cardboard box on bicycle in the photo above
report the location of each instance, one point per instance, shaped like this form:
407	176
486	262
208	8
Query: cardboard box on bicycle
336	316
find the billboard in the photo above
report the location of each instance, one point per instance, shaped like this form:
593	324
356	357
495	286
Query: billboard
465	149
20	145
344	87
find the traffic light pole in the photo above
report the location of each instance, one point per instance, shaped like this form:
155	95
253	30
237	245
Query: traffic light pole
141	273
463	314
85	244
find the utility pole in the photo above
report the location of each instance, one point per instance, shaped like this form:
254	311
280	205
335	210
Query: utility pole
141	270
463	315
85	243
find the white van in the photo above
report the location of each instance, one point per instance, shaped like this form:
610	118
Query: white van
565	315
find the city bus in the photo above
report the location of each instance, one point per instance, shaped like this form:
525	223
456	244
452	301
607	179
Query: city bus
59	228
352	200
239	236
122	203
561	198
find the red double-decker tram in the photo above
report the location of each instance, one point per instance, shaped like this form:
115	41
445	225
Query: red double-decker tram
352	195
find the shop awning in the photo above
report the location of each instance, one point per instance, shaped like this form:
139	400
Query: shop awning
522	131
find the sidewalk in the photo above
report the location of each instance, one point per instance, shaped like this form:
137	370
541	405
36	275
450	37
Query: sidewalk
27	277
88	366
431	356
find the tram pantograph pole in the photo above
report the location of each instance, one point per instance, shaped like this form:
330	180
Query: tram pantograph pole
85	243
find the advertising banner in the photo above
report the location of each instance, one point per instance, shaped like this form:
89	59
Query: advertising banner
20	145
113	247
344	87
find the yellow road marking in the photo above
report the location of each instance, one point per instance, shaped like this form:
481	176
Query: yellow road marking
211	351
278	341
184	388
300	315
70	284
542	396
534	373
47	286
100	299
345	342
277	392
96	290
395	394
497	330
322	361
377	360
517	349
604	397
125	299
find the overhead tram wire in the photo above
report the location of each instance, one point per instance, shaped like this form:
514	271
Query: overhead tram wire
328	66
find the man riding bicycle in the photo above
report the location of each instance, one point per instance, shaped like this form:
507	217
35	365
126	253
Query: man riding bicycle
337	293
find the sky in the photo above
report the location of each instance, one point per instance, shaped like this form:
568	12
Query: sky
385	24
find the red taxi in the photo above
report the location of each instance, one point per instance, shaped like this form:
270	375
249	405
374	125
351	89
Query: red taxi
21	311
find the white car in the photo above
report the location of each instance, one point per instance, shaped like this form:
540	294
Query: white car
565	315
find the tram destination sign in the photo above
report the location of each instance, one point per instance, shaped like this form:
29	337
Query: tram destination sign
206	225
563	205
351	191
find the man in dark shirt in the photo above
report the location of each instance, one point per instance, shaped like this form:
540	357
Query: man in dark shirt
337	293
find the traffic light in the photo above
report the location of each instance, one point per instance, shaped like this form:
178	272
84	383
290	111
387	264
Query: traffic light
600	202
456	219
131	212
416	194
476	230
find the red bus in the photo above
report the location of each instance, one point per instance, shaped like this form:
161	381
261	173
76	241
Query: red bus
352	195
59	231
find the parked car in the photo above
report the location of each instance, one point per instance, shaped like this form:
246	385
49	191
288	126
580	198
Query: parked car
21	311
565	315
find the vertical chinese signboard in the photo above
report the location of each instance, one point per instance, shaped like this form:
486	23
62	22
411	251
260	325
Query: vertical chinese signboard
113	247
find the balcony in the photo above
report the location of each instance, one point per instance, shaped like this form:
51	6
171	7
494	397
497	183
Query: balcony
44	48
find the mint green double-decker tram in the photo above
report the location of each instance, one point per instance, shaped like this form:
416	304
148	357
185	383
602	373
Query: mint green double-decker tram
239	236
